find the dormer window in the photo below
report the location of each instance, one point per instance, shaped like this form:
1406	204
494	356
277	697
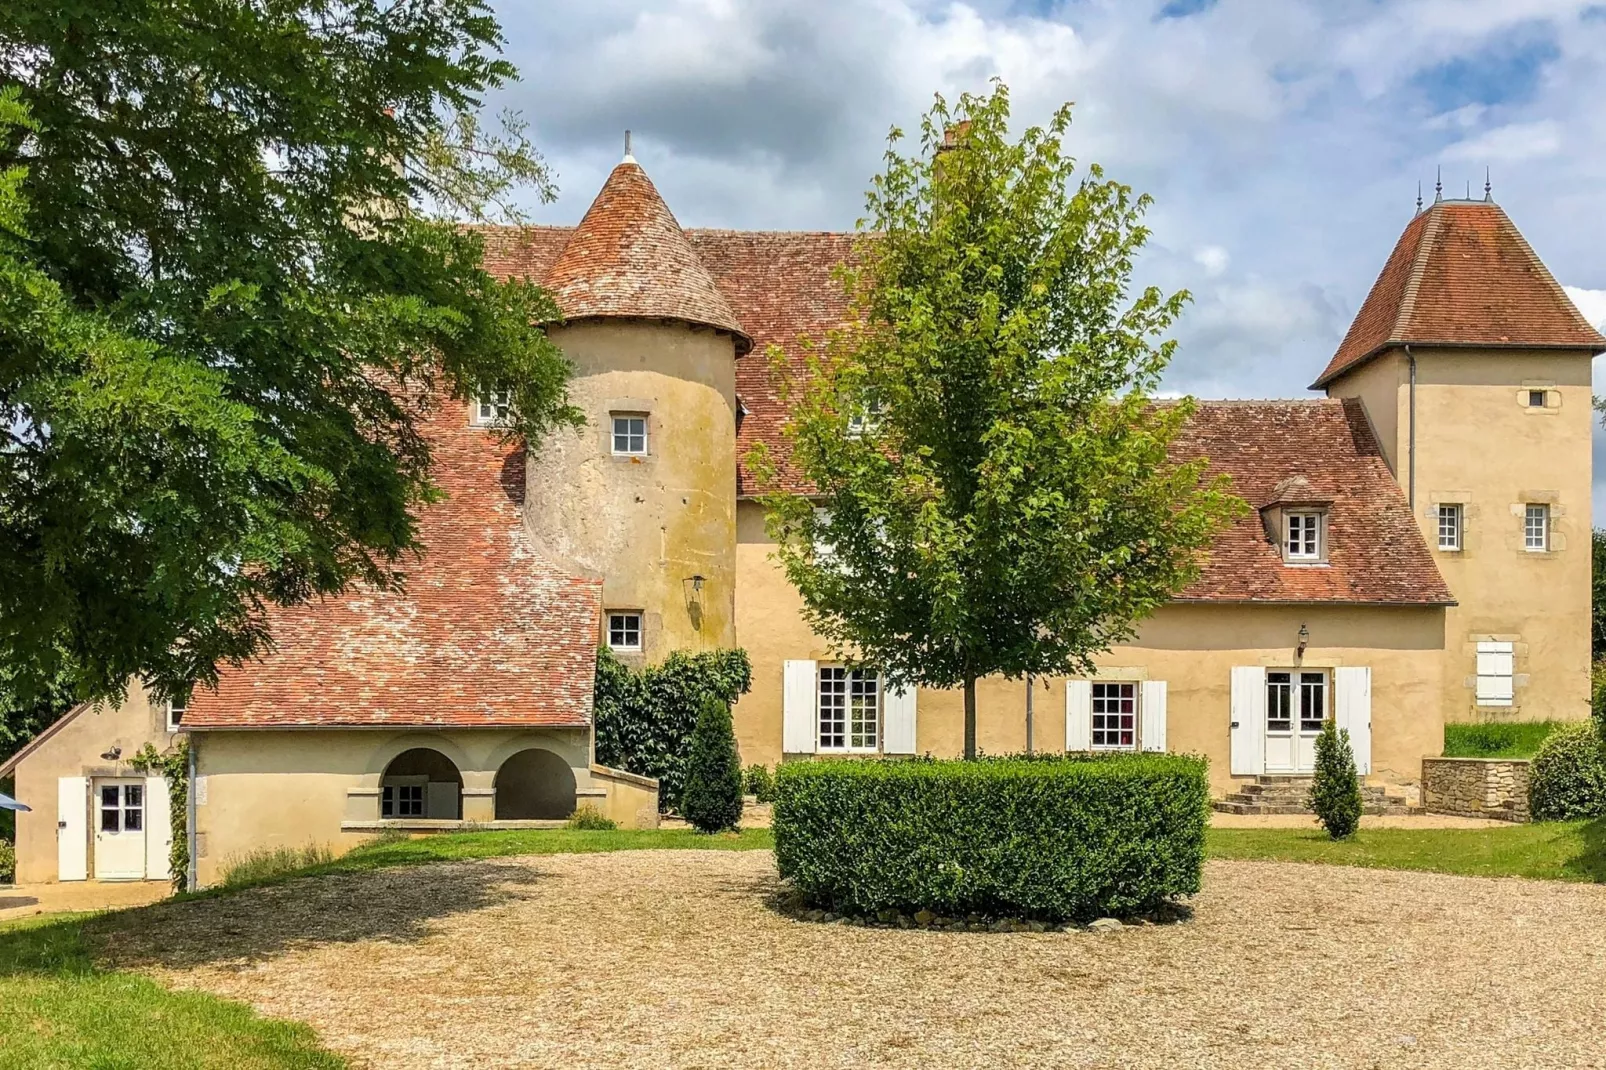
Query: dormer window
867	419
1302	536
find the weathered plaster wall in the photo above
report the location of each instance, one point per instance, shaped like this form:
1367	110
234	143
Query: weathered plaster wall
266	789
648	524
1479	444
74	749
1192	647
1476	787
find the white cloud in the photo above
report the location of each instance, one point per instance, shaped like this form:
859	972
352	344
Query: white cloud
1213	258
1592	303
1513	143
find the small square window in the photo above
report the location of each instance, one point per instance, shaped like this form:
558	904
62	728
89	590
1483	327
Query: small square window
1303	542
1536	399
630	435
624	631
1536	528
492	409
866	420
1449	526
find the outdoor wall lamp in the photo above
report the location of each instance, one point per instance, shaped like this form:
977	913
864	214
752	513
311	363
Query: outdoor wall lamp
1304	640
697	584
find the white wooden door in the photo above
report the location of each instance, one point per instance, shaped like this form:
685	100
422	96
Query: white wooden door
158	830
1248	736
1352	706
119	816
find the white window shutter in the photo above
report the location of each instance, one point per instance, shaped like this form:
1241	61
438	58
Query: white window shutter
1078	715
1248	739
1151	712
898	721
158	829
1352	708
799	706
72	828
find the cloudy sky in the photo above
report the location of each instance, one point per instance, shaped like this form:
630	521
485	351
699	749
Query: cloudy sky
1283	140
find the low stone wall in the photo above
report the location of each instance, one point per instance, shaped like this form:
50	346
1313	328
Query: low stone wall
1476	787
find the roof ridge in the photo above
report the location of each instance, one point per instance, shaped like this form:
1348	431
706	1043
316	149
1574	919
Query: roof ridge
1413	282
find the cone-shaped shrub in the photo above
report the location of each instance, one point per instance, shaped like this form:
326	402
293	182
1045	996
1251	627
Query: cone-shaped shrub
712	800
1335	794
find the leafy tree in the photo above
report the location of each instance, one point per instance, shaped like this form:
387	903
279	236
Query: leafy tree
712	801
994	490
1335	790
229	290
1597	602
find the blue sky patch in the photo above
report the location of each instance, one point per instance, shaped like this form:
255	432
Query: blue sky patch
1505	72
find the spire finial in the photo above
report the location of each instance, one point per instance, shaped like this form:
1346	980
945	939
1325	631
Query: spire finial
1438	184
1469	189
1419	196
628	158
1488	190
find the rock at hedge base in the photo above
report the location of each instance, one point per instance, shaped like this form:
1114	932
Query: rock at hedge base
1056	839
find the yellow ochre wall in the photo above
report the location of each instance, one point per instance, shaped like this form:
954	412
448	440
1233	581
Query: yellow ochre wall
647	525
74	749
1479	444
1192	647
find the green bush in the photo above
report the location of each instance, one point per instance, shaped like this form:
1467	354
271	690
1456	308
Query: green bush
712	801
759	782
1335	790
1567	779
645	717
1597	698
1502	739
1052	838
589	818
8	862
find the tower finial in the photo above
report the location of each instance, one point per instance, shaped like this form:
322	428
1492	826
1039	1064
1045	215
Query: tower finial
1488	190
1419	196
628	158
1469	189
1438	184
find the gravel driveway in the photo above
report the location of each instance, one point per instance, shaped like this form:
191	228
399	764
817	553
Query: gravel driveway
674	959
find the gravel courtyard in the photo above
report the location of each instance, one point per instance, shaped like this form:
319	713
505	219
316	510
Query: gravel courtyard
675	959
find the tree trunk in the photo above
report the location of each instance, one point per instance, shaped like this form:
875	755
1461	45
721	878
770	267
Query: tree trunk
1029	713
970	718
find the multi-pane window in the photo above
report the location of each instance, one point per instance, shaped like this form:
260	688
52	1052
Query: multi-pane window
850	708
1536	527
1115	716
492	408
122	807
1496	673
630	435
624	631
1296	694
866	419
401	800
175	711
1304	536
1449	527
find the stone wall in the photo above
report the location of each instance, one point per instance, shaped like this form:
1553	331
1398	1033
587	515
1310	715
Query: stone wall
1476	787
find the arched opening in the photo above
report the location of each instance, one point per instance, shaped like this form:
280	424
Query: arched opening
421	783
534	785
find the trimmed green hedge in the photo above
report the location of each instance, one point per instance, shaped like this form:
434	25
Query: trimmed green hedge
1567	778
1059	838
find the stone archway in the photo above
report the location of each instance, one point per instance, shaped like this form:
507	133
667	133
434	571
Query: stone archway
421	783
534	785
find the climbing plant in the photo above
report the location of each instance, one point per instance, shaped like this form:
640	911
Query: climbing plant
172	766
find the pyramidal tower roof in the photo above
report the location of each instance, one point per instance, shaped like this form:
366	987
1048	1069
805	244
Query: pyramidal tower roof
628	258
1463	275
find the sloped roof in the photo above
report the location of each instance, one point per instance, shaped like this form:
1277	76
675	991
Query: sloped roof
1326	449
629	258
487	633
1462	275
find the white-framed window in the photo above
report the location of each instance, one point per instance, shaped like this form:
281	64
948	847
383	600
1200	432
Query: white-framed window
492	409
1115	715
122	807
175	711
850	709
865	419
624	630
402	799
1449	526
1536	399
1295	697
1303	536
1496	673
629	434
1536	527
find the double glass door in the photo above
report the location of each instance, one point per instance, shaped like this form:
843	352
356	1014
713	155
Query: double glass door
1296	706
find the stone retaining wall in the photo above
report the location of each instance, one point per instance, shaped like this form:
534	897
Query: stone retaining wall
1476	787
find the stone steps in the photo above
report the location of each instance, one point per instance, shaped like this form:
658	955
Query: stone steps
1282	794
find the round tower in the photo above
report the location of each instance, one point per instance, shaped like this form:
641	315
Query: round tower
644	494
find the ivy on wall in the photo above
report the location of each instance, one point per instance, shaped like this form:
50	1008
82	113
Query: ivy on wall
645	717
172	766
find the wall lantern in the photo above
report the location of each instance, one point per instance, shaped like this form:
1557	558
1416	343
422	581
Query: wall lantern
1304	640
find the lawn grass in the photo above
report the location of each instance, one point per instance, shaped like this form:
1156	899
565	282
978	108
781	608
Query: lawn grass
1567	851
1512	739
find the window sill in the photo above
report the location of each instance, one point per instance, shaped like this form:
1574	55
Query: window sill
847	750
1306	564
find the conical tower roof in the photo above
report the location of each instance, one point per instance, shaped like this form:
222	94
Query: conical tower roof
1463	275
629	259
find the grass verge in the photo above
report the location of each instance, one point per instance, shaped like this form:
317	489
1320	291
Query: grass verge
1567	851
1516	739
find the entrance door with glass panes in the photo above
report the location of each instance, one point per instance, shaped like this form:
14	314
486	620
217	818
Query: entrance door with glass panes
1296	706
119	830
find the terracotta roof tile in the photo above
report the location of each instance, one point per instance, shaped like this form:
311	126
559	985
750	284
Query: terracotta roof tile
487	634
628	257
1462	275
